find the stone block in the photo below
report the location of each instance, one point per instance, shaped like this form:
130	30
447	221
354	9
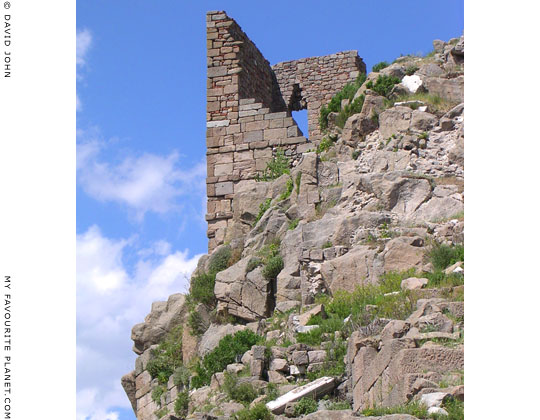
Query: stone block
300	358
258	352
256	125
216	71
293	131
223	188
224	169
275	115
316	389
294	140
275	133
253	136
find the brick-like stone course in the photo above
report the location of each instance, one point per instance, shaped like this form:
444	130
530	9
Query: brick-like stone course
249	105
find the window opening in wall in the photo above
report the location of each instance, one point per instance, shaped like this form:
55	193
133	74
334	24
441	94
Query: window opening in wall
302	121
298	107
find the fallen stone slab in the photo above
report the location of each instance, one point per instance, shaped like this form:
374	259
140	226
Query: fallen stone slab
435	399
315	389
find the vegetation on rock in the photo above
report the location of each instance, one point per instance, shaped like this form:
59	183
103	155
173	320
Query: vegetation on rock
258	412
228	349
379	66
383	85
304	406
167	356
278	166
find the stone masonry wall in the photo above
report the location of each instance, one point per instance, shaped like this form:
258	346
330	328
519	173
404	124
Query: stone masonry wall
309	83
249	108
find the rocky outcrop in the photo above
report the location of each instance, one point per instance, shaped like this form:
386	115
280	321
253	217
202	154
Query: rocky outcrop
391	368
161	319
367	206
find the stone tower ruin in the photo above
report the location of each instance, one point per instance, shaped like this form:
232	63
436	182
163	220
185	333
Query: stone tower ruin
248	112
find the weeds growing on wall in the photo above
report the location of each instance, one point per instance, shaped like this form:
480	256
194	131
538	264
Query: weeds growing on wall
355	106
278	166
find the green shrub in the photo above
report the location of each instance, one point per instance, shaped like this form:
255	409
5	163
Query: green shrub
306	405
348	92
161	412
383	85
196	323
272	392
224	354
181	404
202	288
278	166
253	263
443	256
293	223
410	70
263	207
157	392
273	267
355	154
311	338
181	377
271	259
288	190
379	66
219	260
258	412
327	244
167	356
243	393
324	145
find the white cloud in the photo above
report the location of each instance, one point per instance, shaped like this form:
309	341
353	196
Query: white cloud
145	183
110	300
84	42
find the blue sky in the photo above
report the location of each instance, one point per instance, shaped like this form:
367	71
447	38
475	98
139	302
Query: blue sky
141	82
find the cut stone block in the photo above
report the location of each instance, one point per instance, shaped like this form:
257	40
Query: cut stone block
316	389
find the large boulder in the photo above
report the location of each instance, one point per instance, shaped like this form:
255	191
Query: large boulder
247	295
214	334
403	253
161	319
394	120
350	270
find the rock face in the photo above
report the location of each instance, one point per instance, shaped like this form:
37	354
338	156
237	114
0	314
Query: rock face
246	295
356	207
386	370
161	319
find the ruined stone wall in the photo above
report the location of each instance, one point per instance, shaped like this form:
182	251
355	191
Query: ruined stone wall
309	83
249	108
